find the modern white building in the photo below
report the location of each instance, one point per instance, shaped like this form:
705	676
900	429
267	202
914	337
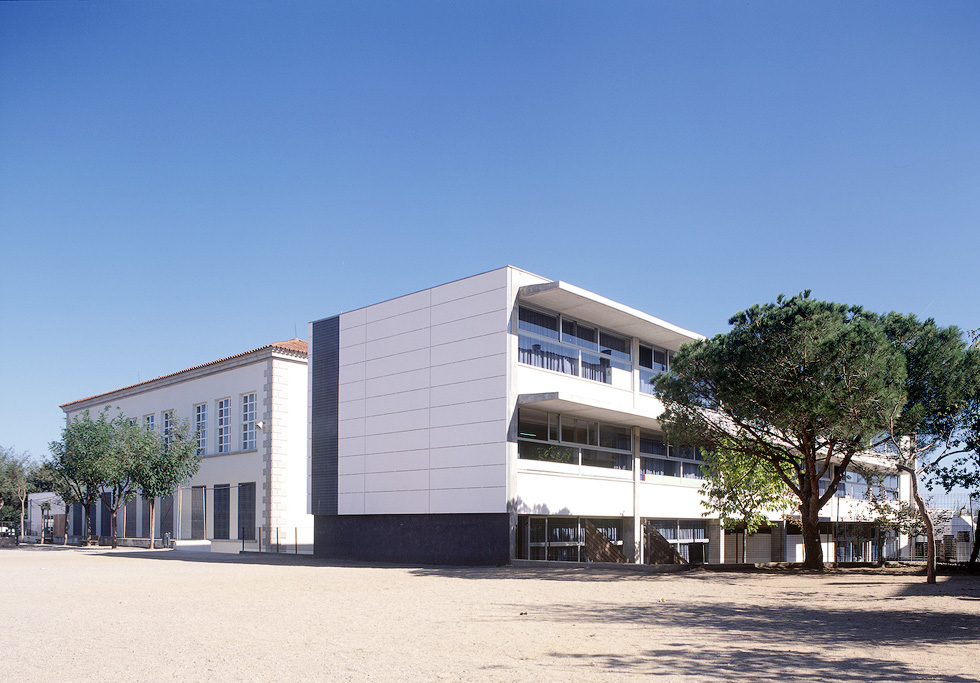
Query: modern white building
508	416
249	411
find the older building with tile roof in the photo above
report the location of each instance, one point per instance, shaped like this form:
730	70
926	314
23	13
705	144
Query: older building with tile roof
250	412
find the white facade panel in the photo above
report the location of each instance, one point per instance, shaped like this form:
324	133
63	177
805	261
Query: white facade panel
350	445
469	477
397	442
468	370
347	429
397	403
471	286
467	412
350	410
399	307
472	455
459	435
350	503
492	344
396	462
352	372
402	343
396	384
350	483
350	465
473	390
468	501
398	325
408	480
408	420
468	328
396	503
477	304
397	364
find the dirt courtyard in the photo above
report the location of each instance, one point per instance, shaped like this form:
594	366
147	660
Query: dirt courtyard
96	615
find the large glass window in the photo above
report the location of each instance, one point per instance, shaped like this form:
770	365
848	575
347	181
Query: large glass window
537	322
689	537
558	438
578	334
578	348
662	459
652	361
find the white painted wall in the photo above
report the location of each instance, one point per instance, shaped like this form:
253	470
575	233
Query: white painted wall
231	379
422	418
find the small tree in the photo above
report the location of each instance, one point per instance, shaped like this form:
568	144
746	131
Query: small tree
14	480
162	463
941	382
19	470
742	490
130	443
80	460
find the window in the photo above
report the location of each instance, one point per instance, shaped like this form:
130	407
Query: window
149	422
561	344
652	361
246	511
558	438
564	538
853	485
222	511
168	426
689	537
201	427
662	459
248	422
224	425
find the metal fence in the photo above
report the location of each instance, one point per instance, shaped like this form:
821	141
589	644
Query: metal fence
293	540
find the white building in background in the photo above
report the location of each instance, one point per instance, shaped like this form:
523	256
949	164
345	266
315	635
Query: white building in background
250	411
507	416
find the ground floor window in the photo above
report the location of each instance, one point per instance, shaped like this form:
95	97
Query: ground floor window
688	537
246	510
566	539
222	510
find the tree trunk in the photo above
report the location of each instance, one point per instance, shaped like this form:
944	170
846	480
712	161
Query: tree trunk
115	527
86	525
976	543
812	548
927	520
153	509
22	519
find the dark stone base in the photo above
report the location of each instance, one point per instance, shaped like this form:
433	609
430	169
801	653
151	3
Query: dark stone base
469	540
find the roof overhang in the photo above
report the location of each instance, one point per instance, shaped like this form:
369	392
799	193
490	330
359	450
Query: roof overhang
579	303
588	409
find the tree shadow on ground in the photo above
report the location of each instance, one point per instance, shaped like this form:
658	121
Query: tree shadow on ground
756	663
813	626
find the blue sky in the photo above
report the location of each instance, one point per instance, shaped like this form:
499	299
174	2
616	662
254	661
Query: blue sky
181	181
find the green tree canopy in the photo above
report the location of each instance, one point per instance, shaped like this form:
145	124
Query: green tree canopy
933	426
798	383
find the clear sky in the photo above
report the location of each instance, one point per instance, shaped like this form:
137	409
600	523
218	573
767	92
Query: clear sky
182	181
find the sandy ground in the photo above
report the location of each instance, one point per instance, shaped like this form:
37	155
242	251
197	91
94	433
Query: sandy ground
96	615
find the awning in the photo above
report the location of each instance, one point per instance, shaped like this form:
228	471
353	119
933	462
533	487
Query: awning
562	297
588	409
